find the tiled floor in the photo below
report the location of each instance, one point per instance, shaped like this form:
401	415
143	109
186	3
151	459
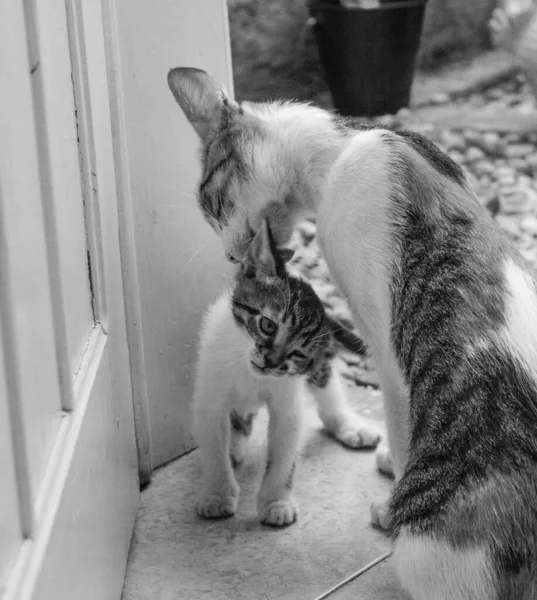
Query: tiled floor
177	556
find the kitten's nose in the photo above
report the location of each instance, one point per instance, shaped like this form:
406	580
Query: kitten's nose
275	361
271	363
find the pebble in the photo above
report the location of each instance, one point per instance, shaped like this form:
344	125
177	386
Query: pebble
513	203
531	161
529	225
494	94
521	165
451	140
518	150
474	154
530	255
484	167
492	143
472	137
440	98
404	113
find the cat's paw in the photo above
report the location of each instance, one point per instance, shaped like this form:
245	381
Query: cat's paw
279	514
216	506
357	435
384	462
380	516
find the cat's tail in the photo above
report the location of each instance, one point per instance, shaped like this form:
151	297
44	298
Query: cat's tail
483	547
342	331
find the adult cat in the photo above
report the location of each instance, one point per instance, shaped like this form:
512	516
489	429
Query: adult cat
446	306
267	341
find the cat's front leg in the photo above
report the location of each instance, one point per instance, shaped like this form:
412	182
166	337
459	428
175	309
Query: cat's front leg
275	503
384	461
220	491
392	459
337	416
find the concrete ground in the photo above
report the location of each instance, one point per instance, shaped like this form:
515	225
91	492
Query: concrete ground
177	556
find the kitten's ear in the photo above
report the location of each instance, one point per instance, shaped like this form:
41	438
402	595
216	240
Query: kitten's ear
200	97
285	254
261	258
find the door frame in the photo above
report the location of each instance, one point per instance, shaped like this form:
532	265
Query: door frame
129	268
117	39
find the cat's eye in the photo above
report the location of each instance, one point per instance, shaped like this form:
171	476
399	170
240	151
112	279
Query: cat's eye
297	354
267	327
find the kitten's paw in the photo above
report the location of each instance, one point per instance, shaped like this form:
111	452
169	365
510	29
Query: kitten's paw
279	514
358	435
214	506
380	515
383	459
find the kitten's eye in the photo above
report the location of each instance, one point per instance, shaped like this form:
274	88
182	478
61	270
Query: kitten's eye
267	326
297	354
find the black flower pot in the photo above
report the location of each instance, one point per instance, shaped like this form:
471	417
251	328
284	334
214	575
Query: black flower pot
369	55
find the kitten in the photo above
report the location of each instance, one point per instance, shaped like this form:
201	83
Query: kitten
266	342
446	306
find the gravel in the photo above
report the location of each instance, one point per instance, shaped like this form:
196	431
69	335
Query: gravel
502	168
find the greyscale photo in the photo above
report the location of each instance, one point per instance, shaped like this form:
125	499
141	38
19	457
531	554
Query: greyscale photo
268	300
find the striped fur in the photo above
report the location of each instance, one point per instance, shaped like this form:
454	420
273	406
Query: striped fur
449	312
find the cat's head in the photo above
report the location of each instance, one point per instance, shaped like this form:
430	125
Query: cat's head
281	313
249	159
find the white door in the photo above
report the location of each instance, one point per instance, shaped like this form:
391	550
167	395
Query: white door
67	447
180	266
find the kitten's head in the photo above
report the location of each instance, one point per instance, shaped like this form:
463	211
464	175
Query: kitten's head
248	160
281	313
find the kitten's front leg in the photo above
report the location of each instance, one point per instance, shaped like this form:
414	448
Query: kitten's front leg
338	418
275	503
220	492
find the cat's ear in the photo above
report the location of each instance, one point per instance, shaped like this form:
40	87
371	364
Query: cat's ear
200	97
261	257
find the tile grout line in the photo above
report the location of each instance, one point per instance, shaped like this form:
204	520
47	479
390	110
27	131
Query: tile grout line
354	576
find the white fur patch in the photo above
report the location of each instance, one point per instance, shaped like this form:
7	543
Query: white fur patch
519	336
354	232
430	570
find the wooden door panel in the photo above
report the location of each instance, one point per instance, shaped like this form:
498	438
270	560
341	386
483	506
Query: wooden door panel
55	111
25	299
94	494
